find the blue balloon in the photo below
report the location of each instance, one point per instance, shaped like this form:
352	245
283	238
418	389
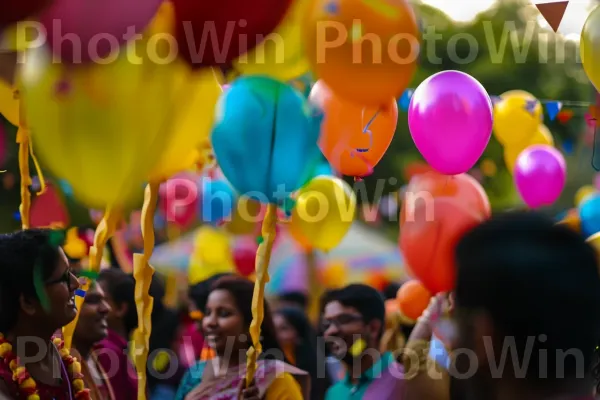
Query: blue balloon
323	169
589	213
265	138
217	201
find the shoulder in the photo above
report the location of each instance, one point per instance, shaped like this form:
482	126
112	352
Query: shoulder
336	390
284	387
190	380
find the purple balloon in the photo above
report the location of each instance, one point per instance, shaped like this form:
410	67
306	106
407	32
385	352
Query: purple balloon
450	119
540	175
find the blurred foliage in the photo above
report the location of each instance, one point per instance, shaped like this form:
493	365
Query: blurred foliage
507	51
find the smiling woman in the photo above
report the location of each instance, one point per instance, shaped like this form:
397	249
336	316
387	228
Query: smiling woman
25	256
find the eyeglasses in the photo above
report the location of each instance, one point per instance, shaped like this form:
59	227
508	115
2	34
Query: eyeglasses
340	321
66	278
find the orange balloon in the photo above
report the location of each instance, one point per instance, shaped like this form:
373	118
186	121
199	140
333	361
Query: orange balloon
429	236
391	306
412	299
354	138
463	188
366	51
377	280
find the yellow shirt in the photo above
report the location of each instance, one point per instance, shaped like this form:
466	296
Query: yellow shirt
284	387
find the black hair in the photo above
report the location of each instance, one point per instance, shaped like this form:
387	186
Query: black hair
307	352
242	290
121	288
20	253
365	299
199	292
526	273
390	291
298	298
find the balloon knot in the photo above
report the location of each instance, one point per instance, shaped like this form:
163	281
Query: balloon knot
358	179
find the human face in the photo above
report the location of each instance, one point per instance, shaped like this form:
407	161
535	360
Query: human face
92	325
342	326
117	311
286	334
223	322
60	289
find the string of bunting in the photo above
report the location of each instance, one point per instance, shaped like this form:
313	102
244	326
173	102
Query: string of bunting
555	109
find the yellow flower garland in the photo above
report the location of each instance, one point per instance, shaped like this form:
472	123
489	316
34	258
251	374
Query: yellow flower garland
27	384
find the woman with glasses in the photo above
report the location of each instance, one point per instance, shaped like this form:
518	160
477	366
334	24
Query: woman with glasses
225	324
37	298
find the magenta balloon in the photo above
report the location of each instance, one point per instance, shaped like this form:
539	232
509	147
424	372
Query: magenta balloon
450	119
540	175
88	30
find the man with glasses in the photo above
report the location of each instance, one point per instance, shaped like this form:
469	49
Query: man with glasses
352	324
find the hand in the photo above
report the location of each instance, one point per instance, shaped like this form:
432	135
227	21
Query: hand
250	392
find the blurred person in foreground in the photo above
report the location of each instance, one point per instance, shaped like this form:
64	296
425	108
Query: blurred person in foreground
37	298
226	324
299	342
92	327
353	321
519	275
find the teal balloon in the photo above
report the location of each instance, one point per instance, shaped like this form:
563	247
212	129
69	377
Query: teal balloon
265	138
589	214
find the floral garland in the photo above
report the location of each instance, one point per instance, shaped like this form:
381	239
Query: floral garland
27	385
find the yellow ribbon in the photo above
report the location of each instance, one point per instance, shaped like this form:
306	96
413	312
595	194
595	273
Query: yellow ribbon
143	272
104	231
263	257
26	150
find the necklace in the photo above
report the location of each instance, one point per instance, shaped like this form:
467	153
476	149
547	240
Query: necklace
27	384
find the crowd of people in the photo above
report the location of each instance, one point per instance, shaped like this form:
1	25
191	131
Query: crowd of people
523	323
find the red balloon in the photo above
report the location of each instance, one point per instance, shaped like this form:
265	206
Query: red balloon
15	11
244	256
463	188
178	201
429	236
237	26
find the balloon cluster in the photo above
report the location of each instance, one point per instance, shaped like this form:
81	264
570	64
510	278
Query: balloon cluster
539	169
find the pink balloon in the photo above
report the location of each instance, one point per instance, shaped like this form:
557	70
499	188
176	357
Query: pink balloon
540	175
83	31
450	119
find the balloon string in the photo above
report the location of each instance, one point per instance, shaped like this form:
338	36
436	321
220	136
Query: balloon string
24	207
263	257
143	273
368	132
104	231
596	147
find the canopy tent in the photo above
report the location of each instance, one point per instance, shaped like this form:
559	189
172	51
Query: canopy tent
363	252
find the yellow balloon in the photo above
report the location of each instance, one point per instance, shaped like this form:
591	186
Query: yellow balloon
511	152
334	276
513	122
590	47
192	124
102	127
281	54
324	211
211	255
583	193
9	103
245	217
